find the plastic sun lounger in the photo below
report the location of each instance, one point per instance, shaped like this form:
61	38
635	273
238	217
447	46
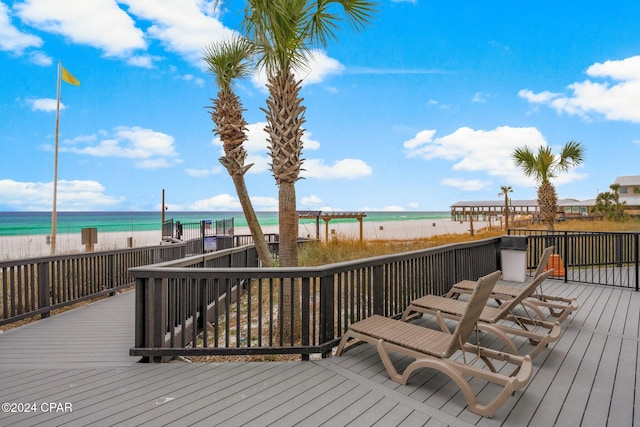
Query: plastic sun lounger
558	307
434	349
500	321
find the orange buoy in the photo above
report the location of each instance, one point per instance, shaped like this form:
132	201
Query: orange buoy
555	262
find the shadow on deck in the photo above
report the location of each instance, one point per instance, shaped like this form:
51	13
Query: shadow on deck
81	358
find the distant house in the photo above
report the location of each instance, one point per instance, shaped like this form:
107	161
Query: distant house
629	192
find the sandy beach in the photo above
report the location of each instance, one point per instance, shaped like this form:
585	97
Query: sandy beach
16	247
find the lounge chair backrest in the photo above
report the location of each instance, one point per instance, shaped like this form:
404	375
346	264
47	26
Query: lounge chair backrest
544	259
476	304
527	291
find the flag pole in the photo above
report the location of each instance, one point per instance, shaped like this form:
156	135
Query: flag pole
54	211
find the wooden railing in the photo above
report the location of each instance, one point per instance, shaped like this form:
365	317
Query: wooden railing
36	286
208	305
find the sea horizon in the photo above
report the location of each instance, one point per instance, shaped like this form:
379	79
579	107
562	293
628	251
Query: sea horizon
20	223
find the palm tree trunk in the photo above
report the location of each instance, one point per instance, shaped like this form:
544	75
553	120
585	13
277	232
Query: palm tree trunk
252	221
288	220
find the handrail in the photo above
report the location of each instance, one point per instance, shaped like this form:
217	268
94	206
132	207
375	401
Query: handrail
36	286
599	257
194	309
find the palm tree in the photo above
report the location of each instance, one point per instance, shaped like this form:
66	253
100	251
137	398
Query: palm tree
504	191
228	60
284	31
543	166
619	206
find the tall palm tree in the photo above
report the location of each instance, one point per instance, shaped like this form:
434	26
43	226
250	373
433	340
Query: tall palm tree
284	32
543	166
229	60
504	191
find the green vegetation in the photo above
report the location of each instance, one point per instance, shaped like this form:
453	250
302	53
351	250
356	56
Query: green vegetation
608	203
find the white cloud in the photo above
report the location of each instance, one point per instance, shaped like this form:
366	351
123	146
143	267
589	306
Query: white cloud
423	137
71	195
223	202
198	81
467	185
40	58
11	39
98	23
183	27
150	149
311	201
121	29
142	61
342	169
319	67
615	100
480	97
478	150
264	202
47	105
537	98
202	173
624	70
216	203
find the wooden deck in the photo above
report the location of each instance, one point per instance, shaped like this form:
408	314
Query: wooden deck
79	359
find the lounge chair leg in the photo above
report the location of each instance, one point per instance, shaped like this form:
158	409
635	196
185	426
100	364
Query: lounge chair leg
388	364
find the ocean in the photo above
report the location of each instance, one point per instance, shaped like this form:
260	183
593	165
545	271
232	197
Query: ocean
33	223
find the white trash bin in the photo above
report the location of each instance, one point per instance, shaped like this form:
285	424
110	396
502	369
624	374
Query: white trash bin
513	258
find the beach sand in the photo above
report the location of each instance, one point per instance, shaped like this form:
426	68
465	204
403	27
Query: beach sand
17	247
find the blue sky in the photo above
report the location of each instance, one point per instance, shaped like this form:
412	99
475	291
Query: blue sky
418	111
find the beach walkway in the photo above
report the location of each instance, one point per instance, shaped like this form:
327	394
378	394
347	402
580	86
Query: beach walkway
74	369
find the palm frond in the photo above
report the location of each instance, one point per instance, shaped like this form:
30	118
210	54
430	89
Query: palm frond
572	154
229	60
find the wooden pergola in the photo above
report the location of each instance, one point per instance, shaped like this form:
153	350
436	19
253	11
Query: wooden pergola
328	216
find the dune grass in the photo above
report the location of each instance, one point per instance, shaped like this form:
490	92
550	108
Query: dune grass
342	249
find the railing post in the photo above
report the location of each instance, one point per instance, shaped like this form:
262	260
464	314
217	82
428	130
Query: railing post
637	259
112	273
44	287
566	254
327	324
156	304
140	327
378	290
305	315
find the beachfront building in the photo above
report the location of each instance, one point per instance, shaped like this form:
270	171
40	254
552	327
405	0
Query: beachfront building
629	192
519	210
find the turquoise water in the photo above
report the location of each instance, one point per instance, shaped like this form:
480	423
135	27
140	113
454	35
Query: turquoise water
29	223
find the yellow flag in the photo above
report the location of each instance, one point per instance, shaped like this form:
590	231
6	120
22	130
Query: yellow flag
68	77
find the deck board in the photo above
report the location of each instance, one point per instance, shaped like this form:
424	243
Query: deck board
588	377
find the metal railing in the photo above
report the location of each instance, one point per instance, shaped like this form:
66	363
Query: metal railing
194	307
208	235
36	286
602	258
